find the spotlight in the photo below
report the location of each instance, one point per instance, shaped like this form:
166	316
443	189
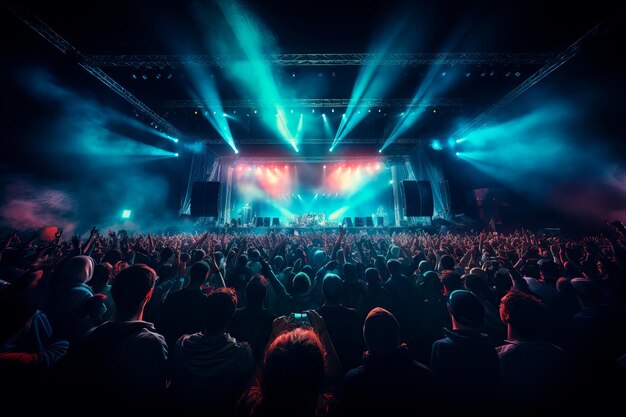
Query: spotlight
158	76
380	151
134	76
292	111
492	73
332	110
343	115
517	73
175	140
378	110
144	76
467	74
234	111
312	110
369	110
443	74
330	150
224	114
458	154
254	111
402	114
236	151
195	112
293	74
434	110
126	214
324	166
390	181
176	154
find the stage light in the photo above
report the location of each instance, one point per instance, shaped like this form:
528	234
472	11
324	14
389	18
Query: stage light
236	151
402	114
459	140
324	166
467	74
255	111
492	73
249	169
390	181
517	73
380	151
332	110
343	115
175	140
293	74
443	74
144	76
458	154
434	110
239	168
126	214
291	111
224	114
195	112
436	145
214	112
158	76
378	167
369	110
169	76
378	110
330	150
507	73
134	76
312	110
482	74
176	154
234	111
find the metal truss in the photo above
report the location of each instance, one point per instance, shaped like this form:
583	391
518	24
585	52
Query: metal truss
318	103
321	159
40	27
312	141
481	120
354	59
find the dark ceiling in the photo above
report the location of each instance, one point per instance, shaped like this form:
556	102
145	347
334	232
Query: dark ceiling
522	29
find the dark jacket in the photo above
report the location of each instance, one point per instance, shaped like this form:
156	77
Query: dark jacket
184	312
210	370
388	384
467	361
345	327
253	325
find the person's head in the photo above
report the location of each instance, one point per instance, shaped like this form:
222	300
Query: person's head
395	251
113	256
451	282
242	260
466	310
381	331
502	280
77	270
531	271
480	273
198	273
221	304
256	291
254	255
394	266
307	269
165	272
301	283
587	291
349	271
131	290
524	314
549	270
332	286
319	258
293	370
166	254
447	263
198	255
431	285
373	277
278	262
102	275
424	266
475	284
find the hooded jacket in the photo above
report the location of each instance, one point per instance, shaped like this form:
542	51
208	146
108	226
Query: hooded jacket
210	369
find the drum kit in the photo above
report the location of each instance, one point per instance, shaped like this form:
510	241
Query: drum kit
310	220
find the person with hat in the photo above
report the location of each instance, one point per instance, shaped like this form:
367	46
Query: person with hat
388	382
466	361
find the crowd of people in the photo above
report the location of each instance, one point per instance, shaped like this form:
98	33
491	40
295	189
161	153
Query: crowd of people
316	324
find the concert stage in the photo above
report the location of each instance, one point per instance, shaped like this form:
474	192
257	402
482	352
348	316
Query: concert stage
328	230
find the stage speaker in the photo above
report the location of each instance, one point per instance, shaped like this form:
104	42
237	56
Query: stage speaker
358	222
369	222
418	198
275	222
380	220
266	221
347	222
259	222
205	199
